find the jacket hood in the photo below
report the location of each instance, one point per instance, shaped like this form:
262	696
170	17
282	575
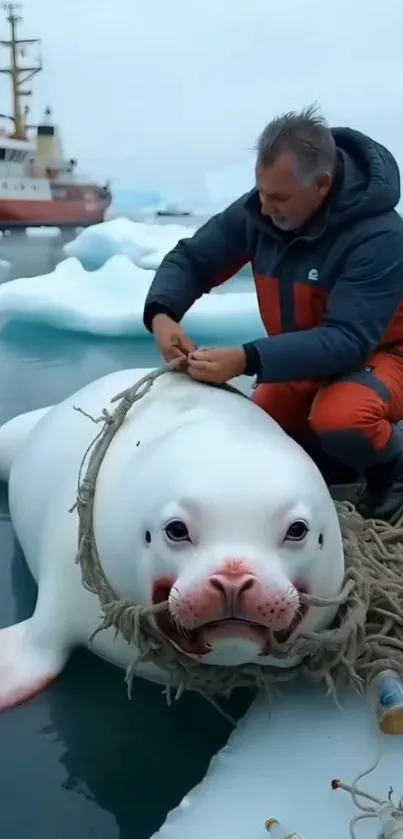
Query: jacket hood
367	181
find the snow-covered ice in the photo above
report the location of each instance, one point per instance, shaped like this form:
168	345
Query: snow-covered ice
102	285
143	243
281	766
43	230
109	301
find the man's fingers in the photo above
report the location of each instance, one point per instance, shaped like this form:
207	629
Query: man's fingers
171	353
201	365
186	345
204	370
203	356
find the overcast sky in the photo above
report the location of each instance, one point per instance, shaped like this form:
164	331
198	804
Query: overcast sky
156	92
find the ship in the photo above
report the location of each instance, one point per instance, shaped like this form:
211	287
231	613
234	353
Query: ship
38	185
172	210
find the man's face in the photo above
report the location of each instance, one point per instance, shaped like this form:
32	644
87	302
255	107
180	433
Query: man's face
284	199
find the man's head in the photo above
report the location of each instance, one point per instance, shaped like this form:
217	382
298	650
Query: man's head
296	160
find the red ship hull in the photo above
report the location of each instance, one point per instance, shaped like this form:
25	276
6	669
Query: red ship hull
20	213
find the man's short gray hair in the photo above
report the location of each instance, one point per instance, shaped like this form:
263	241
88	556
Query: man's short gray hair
307	136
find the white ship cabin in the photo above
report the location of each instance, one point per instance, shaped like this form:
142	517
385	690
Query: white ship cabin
35	169
38	157
15	155
49	161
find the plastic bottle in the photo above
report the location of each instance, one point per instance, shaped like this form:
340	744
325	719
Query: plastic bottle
280	831
387	691
391	824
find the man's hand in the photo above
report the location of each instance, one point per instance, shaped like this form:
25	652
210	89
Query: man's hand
217	366
171	339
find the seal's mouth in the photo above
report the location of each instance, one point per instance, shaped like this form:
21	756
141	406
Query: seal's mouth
199	642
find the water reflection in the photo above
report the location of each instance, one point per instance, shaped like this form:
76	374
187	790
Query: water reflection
41	366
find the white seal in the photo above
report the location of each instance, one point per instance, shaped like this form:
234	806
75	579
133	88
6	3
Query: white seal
201	498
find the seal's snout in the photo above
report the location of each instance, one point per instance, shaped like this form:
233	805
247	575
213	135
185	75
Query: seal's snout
245	597
237	604
235	590
231	589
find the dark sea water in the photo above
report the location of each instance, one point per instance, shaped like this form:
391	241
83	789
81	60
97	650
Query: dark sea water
82	761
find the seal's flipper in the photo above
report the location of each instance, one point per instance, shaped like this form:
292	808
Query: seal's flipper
26	667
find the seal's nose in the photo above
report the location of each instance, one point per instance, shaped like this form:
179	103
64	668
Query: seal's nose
232	588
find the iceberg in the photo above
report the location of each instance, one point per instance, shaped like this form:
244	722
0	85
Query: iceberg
143	243
109	301
128	200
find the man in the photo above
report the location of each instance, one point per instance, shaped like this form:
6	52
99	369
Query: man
326	247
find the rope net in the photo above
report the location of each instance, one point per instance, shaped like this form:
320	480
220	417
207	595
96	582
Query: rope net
365	638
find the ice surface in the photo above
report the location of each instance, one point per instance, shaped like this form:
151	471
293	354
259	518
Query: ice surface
110	300
49	232
282	766
143	243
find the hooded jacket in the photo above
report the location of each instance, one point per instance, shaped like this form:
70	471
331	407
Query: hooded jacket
330	294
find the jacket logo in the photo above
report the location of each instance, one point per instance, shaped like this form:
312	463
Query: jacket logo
313	275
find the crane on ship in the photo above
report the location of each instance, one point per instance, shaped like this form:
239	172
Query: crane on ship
20	76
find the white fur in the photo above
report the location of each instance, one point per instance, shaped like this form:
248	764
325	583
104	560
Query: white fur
204	455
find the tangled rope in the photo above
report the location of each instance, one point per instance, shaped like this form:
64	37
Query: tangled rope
365	638
388	814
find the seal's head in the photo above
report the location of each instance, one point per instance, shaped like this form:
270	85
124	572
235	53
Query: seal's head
232	536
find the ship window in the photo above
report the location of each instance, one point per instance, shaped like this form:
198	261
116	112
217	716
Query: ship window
46	130
13	155
58	192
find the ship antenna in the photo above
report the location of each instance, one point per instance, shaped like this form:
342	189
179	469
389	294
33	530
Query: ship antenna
19	75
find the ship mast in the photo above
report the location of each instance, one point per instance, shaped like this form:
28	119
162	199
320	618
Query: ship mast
19	75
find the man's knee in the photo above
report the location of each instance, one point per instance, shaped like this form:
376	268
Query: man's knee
342	406
349	417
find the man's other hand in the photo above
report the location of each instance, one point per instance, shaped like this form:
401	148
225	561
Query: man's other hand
217	366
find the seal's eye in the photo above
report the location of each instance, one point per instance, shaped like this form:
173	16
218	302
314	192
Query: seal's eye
176	531
296	531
